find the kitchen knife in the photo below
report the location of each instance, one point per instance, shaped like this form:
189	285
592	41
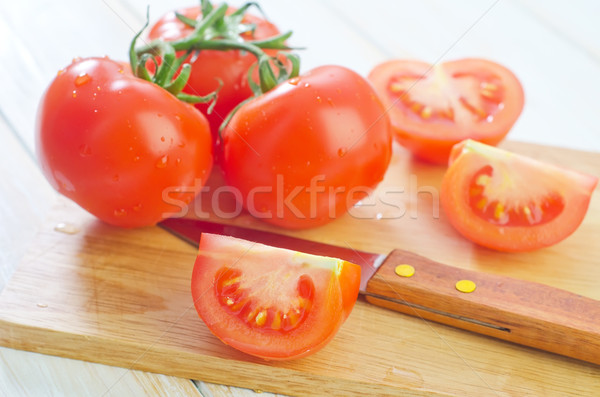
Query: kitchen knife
518	311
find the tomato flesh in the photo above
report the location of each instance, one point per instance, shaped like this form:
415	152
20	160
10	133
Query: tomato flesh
519	211
270	302
252	300
434	107
509	202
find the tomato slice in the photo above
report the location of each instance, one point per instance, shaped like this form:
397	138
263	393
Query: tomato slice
434	107
510	202
271	302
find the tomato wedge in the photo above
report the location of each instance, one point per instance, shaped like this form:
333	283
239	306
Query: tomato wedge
510	202
271	302
434	107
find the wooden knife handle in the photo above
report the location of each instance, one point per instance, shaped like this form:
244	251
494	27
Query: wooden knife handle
518	311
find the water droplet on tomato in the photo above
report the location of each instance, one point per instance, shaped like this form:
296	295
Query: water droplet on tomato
136	159
61	71
119	212
342	151
159	114
67	228
137	207
98	88
177	117
177	161
121	71
85	150
181	145
162	162
330	101
82	79
294	81
76	59
319	99
74	93
306	85
162	139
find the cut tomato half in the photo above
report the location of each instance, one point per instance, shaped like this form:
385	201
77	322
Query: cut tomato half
434	107
271	302
510	202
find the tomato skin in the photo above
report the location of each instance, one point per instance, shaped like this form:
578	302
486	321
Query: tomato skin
441	88
306	151
336	285
114	143
557	219
210	65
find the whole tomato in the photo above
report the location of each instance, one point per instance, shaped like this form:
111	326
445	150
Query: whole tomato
208	66
303	153
121	147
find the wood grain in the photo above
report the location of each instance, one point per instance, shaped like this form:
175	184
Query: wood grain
519	311
121	297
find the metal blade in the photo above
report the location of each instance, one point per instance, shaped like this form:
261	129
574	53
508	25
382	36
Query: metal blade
190	231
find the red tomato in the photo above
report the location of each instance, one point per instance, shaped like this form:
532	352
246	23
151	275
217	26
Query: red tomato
509	202
306	151
434	107
210	65
270	302
118	145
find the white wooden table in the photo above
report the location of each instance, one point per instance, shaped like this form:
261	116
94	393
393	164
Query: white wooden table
552	46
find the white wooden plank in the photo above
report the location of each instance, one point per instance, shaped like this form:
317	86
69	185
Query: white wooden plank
38	38
560	80
576	21
32	374
25	200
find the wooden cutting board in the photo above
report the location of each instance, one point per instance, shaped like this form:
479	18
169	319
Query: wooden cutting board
94	292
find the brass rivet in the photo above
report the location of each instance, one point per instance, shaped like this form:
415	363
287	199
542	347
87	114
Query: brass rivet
465	286
404	270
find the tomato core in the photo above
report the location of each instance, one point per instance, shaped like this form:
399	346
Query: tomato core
440	97
259	303
528	212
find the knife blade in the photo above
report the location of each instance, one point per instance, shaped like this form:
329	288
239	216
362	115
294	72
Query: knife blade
518	311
